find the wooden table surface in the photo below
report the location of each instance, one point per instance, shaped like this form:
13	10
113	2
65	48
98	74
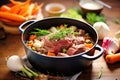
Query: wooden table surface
12	45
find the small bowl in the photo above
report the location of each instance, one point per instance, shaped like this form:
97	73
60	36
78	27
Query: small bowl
55	9
90	6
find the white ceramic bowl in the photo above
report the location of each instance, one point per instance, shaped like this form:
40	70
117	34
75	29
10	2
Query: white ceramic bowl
90	6
55	9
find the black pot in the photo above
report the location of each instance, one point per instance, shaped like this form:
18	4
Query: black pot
60	65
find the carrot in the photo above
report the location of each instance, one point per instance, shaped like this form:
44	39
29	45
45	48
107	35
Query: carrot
23	9
32	37
89	45
11	16
15	9
51	54
62	27
29	11
112	58
5	8
30	44
19	3
37	8
10	22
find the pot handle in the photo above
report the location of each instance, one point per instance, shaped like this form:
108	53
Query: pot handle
21	27
97	47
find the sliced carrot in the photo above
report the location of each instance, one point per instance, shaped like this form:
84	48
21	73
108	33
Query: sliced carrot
89	45
23	9
29	11
62	26
11	16
30	44
37	8
32	37
112	58
5	8
50	54
15	9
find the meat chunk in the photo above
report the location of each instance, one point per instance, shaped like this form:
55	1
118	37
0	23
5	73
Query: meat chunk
81	32
56	46
62	44
76	49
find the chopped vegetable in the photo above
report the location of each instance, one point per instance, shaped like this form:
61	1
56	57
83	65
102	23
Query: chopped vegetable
93	17
60	34
51	54
19	11
38	43
10	22
11	16
32	37
40	32
112	58
89	45
100	73
102	29
72	13
14	63
110	45
5	8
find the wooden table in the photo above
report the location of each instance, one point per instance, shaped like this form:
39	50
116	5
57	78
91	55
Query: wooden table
12	45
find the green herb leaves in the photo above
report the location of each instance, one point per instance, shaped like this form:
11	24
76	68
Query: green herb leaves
40	32
60	34
93	17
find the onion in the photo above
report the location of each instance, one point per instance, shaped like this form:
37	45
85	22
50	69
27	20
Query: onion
110	45
102	29
14	63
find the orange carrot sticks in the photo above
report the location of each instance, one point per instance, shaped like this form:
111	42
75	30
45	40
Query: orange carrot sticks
11	16
15	9
10	22
5	8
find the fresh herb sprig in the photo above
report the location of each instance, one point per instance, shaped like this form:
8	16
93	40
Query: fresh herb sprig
40	32
60	34
100	73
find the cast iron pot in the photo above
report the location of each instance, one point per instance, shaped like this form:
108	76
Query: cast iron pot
60	65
